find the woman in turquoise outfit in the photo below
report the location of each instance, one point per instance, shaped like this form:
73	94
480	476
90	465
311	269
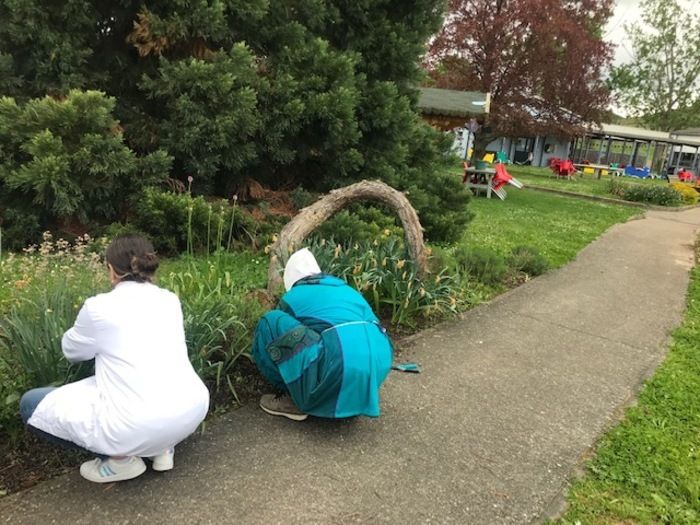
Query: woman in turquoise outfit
323	347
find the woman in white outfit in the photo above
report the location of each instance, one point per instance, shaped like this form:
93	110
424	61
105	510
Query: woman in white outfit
145	397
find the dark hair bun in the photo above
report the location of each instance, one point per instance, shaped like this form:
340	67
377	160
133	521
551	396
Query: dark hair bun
132	258
145	265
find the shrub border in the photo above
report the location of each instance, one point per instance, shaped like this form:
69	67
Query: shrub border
608	200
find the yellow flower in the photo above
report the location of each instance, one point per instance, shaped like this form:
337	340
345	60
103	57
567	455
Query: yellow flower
422	292
384	262
386	232
428	251
400	263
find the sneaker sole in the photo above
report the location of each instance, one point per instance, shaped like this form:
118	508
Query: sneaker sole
117	477
293	417
162	467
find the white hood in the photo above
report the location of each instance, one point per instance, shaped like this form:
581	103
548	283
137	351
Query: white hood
301	263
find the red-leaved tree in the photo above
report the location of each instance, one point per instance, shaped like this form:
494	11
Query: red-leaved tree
542	61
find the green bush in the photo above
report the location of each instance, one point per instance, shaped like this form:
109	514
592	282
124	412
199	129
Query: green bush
218	318
65	161
659	194
482	264
528	260
388	279
358	224
302	198
43	292
435	189
178	222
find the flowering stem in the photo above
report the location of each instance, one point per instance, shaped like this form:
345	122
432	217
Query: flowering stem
230	229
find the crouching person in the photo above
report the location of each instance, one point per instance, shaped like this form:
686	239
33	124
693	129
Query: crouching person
323	348
145	397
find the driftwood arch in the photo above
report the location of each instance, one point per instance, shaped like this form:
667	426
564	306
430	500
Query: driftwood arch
311	217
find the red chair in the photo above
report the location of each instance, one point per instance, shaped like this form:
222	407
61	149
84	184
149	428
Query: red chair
685	175
500	179
564	168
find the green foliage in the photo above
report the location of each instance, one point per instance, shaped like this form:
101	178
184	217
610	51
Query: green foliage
66	161
42	297
660	84
647	469
178	222
529	260
42	291
218	318
208	106
687	192
313	93
359	224
301	198
659	194
482	264
389	280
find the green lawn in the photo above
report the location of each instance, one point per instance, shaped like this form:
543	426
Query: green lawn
647	469
558	226
586	184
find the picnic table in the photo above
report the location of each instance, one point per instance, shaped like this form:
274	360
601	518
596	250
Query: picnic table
599	168
479	179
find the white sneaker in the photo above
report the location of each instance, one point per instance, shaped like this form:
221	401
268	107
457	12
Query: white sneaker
164	461
109	470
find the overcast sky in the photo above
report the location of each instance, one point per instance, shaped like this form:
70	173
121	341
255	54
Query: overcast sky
627	12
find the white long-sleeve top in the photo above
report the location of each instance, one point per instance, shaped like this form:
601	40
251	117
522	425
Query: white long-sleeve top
145	397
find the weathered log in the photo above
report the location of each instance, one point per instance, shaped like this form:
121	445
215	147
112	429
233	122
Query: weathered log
311	217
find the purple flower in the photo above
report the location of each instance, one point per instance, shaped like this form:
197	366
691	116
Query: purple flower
190	178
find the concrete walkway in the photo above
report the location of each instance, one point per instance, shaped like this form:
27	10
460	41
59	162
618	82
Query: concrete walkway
512	397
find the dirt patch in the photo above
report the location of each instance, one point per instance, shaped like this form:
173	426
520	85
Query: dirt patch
34	461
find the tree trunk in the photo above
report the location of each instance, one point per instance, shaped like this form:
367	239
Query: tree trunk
481	140
311	217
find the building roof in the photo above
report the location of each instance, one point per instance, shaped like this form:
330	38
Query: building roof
448	102
632	133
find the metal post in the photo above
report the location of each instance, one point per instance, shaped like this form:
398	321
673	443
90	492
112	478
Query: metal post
607	151
651	149
633	155
669	158
695	160
600	150
680	156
